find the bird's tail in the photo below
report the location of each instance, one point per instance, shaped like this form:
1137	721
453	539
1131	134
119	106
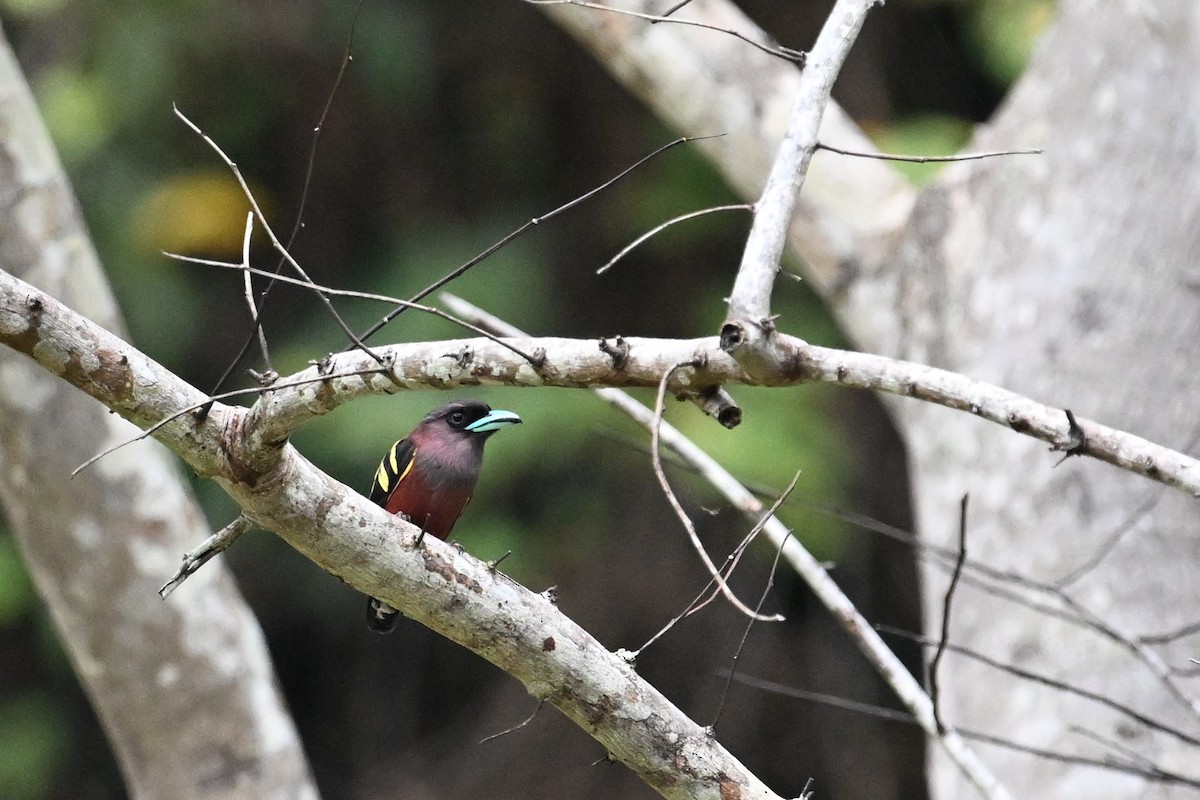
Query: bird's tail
380	616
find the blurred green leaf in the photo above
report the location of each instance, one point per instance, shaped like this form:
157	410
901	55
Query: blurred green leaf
922	135
76	107
16	589
1006	31
33	742
32	8
200	212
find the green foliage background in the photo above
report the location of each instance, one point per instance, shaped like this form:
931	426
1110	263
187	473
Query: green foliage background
454	125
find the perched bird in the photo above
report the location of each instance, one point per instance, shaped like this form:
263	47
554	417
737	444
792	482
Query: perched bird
429	475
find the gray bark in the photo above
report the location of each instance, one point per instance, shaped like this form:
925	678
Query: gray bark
1069	278
184	688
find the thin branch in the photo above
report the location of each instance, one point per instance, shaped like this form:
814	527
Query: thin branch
248	286
516	727
796	57
890	668
929	159
750	623
1049	682
462	269
741	90
199	556
748	330
658	229
1181	632
1110	540
936	662
533	360
685	520
1153	773
208	401
287	256
299	223
710	589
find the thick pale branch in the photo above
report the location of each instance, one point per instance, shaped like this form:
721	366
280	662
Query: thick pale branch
570	363
114	372
823	586
748	328
354	539
145	392
1011	410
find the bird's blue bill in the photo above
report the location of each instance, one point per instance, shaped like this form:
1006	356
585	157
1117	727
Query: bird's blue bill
494	421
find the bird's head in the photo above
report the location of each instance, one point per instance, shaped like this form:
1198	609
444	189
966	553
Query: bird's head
465	420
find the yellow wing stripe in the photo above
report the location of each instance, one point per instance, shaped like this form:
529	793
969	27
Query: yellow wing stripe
385	476
408	467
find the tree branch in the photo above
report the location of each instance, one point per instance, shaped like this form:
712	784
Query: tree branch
748	330
357	541
850	207
185	691
806	566
145	392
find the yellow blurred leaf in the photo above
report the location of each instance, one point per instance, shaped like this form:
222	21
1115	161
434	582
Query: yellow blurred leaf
196	213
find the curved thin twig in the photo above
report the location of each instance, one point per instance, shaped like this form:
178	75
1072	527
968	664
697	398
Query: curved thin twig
659	228
688	525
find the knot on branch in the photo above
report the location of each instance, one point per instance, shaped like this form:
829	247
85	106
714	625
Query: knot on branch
1076	443
733	336
463	359
618	352
264	379
719	405
324	366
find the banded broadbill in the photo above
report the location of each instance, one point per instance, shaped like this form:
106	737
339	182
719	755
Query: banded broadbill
428	476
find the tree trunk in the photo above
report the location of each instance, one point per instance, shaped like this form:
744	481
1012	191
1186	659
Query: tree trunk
1070	277
184	687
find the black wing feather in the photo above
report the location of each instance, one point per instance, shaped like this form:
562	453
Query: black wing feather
392	470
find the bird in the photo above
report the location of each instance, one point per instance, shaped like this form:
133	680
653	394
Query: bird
428	476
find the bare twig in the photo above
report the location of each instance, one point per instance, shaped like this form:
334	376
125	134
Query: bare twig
308	174
1153	773
786	53
1181	632
936	662
1049	682
198	557
1110	541
659	228
740	90
750	623
688	525
533	360
928	159
283	251
208	401
516	727
248	285
890	668
462	269
711	589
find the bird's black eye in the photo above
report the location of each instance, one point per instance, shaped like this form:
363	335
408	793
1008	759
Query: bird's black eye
456	418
